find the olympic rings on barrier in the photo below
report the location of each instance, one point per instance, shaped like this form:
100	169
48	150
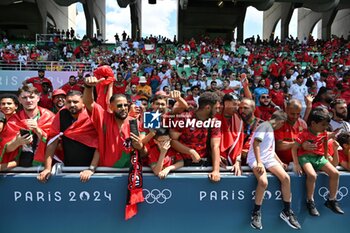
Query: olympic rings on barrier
341	193
155	195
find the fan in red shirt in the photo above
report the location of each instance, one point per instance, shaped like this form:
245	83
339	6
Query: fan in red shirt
38	81
265	110
191	141
277	94
290	130
71	85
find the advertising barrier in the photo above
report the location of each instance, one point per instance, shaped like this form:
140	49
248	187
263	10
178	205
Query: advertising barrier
12	80
183	202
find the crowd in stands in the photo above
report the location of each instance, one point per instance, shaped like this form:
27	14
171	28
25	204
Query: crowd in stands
263	104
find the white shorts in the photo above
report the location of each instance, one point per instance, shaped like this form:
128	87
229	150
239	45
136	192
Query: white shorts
269	162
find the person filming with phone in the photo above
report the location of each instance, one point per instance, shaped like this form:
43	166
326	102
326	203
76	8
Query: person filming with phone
115	140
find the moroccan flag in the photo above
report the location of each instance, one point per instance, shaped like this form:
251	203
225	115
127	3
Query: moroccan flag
232	137
102	87
82	130
135	182
7	134
18	122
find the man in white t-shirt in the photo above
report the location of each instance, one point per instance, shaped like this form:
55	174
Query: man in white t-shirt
298	91
340	113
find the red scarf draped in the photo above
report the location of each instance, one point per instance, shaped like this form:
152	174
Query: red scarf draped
18	122
82	130
232	137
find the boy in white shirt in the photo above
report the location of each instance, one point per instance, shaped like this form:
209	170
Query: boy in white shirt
262	156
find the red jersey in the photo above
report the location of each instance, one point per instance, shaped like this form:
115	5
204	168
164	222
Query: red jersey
67	87
342	156
170	158
277	96
46	101
114	142
37	83
289	133
318	139
193	137
120	87
264	112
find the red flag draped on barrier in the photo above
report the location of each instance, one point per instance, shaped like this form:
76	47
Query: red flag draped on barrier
135	182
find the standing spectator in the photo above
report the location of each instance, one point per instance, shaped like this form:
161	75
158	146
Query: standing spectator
58	100
46	96
72	33
192	143
38	81
340	112
28	150
71	85
78	139
299	91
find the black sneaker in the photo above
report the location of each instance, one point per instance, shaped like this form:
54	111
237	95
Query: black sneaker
334	206
312	208
256	220
290	219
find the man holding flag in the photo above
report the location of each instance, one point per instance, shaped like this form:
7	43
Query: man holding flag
117	145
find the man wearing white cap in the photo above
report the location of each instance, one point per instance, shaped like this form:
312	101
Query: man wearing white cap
144	90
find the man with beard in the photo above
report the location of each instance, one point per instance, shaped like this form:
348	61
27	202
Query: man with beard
27	148
58	100
193	142
71	85
72	128
340	113
38	81
265	110
115	141
290	130
246	111
231	133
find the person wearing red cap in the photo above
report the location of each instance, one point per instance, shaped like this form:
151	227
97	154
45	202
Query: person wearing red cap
58	100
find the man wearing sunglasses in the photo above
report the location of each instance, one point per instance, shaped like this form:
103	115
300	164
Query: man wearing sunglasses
113	128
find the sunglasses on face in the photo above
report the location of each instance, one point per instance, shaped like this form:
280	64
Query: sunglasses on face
122	105
265	97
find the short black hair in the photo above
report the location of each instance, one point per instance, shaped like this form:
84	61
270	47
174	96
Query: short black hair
10	96
116	96
162	132
74	92
231	96
343	138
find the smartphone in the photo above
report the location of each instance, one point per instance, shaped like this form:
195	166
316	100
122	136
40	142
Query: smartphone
24	132
134	127
170	102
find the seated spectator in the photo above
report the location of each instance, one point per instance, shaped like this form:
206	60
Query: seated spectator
344	155
265	109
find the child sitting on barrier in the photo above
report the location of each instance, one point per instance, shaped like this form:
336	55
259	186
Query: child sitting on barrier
309	161
344	154
160	158
261	156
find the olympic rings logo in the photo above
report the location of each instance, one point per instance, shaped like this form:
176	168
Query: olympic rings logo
341	193
155	195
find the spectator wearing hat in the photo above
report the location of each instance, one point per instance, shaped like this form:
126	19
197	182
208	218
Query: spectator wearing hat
143	89
58	100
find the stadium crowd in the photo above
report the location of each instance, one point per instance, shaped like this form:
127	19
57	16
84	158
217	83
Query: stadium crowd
263	104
